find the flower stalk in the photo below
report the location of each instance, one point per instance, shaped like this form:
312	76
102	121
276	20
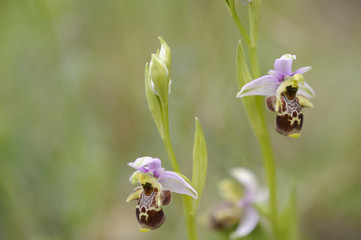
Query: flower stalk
166	140
263	133
254	105
238	23
256	117
187	201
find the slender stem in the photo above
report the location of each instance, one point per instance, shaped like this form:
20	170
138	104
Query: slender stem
254	61
166	140
266	146
187	201
259	125
270	170
239	24
190	217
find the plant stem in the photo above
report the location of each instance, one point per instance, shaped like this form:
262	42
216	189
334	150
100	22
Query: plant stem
190	217
254	61
255	110
239	24
266	145
270	170
187	201
167	142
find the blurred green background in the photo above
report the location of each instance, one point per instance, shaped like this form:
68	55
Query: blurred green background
73	111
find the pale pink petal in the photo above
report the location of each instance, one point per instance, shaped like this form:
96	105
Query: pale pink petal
248	223
154	165
277	75
283	65
264	86
247	179
141	163
302	70
175	183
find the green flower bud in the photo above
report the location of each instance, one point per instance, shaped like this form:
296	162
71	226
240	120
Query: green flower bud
159	76
157	86
165	54
153	102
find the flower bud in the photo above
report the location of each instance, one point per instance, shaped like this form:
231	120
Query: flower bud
165	53
153	102
159	76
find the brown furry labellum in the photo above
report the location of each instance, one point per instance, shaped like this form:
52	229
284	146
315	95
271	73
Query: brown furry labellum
289	118
149	210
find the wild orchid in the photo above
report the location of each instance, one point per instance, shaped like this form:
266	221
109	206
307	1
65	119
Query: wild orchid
237	208
155	191
287	93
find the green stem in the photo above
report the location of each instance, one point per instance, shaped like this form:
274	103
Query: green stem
256	114
270	170
266	145
167	142
187	201
239	24
254	61
190	217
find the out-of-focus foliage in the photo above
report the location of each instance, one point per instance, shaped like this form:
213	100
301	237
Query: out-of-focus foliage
73	111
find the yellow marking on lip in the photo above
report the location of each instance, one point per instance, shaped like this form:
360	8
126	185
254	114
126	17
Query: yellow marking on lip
294	135
144	229
295	119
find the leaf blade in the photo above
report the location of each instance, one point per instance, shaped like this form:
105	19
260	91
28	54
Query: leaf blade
200	162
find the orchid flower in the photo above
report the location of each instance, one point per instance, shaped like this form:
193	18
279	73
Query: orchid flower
236	208
156	191
287	93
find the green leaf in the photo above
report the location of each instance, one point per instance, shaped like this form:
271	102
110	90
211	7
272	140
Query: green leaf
288	226
199	163
243	74
153	103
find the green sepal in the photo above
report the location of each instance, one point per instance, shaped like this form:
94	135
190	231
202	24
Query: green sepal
199	163
287	219
227	2
159	74
154	103
254	105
